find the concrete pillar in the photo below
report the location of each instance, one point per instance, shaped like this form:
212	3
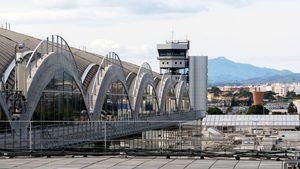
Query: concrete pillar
198	82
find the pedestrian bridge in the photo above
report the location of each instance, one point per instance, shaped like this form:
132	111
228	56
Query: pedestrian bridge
47	135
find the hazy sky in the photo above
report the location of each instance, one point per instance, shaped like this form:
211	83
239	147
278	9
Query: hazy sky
260	32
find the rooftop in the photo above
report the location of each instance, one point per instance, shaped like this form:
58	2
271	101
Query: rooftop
137	162
8	40
251	120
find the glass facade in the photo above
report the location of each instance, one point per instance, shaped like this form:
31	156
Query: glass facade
116	105
149	106
170	104
185	103
4	125
172	52
61	101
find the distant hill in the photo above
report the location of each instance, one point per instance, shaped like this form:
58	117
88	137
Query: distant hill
274	79
224	71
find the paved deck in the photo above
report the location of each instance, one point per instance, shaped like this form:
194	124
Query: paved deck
135	162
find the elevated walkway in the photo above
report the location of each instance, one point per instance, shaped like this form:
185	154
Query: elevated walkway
60	134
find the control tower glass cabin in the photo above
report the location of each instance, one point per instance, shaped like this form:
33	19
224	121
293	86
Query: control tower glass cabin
173	59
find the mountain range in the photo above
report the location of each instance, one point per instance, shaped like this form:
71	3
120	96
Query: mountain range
222	71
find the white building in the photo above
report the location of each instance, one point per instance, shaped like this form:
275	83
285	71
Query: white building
278	88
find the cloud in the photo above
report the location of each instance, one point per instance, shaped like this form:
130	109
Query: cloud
134	6
56	4
251	31
161	6
44	16
238	3
62	15
109	11
135	53
165	7
168	6
104	46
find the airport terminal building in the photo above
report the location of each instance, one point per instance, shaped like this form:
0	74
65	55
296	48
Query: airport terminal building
47	80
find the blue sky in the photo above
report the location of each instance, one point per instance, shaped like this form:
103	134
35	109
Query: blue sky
260	32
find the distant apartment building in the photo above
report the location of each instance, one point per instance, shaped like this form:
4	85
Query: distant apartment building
278	88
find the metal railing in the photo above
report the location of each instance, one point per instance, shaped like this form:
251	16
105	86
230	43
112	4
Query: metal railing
48	135
160	137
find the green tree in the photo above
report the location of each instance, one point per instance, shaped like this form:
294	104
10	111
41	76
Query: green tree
269	95
214	111
229	93
249	102
292	108
257	110
215	90
245	93
290	94
233	102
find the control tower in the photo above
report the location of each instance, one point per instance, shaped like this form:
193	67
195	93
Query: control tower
173	59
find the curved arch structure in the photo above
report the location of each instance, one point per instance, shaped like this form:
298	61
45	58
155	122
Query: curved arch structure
54	44
8	71
11	67
48	58
109	71
181	89
49	67
86	71
156	80
130	78
143	79
53	55
88	75
164	87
